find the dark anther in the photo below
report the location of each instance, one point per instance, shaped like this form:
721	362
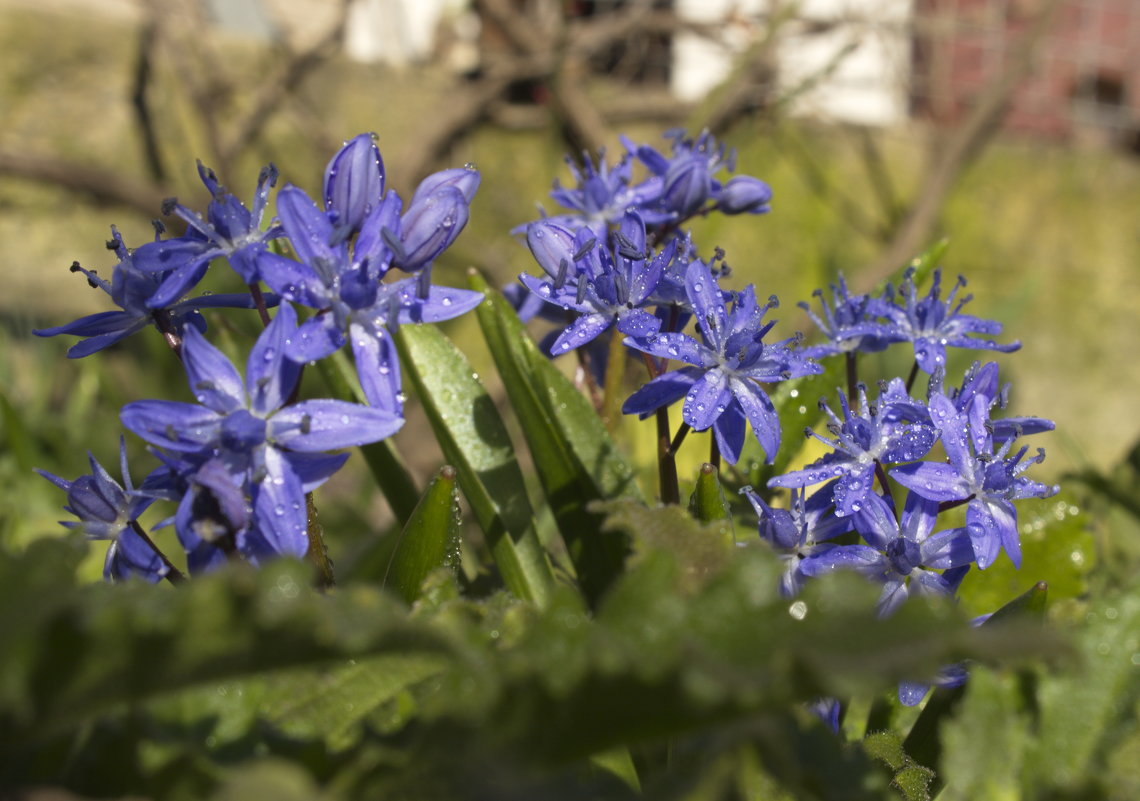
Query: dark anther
75	267
168	206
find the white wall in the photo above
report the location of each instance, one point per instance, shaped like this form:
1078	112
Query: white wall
843	60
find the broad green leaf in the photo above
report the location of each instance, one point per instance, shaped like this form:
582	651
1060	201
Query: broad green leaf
429	540
474	440
1057	548
983	747
574	455
924	741
1087	713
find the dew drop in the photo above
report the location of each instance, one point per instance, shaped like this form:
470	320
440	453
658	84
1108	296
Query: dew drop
446	301
798	610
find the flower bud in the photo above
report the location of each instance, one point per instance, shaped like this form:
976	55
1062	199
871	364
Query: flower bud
465	179
354	182
430	225
551	245
744	194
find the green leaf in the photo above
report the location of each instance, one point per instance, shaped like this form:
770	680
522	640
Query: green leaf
1086	714
1057	548
984	745
574	455
924	742
912	779
76	653
474	440
707	503
429	540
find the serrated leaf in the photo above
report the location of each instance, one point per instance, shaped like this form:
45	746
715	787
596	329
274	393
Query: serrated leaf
924	741
1086	712
984	745
911	779
81	652
429	540
475	441
574	455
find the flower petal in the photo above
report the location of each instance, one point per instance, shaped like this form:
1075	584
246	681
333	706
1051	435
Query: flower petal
214	380
326	425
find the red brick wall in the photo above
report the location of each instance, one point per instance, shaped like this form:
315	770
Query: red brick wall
1085	76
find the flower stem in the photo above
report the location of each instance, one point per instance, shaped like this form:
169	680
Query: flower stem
318	552
611	392
666	463
173	574
852	376
913	375
259	302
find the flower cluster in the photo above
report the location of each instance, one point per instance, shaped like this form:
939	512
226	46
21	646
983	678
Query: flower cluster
239	462
854	521
620	262
875	503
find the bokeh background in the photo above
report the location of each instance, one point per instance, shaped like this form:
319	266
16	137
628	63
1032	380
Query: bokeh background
1010	127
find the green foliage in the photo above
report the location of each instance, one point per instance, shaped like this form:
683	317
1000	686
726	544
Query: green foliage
574	456
429	540
473	438
219	684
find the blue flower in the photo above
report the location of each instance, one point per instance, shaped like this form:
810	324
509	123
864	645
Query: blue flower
797	533
602	196
848	323
108	510
983	380
933	324
905	556
437	213
860	442
687	180
721	388
345	286
230	230
988	479
267	447
604	291
131	290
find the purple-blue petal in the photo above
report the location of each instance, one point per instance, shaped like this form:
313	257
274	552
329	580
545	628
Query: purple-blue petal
325	425
185	427
270	375
214	380
706	400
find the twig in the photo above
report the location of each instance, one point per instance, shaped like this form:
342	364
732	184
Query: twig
104	186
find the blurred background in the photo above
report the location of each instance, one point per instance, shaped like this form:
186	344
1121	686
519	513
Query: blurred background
1011	127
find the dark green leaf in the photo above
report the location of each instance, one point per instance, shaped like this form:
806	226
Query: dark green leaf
575	457
429	540
474	440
